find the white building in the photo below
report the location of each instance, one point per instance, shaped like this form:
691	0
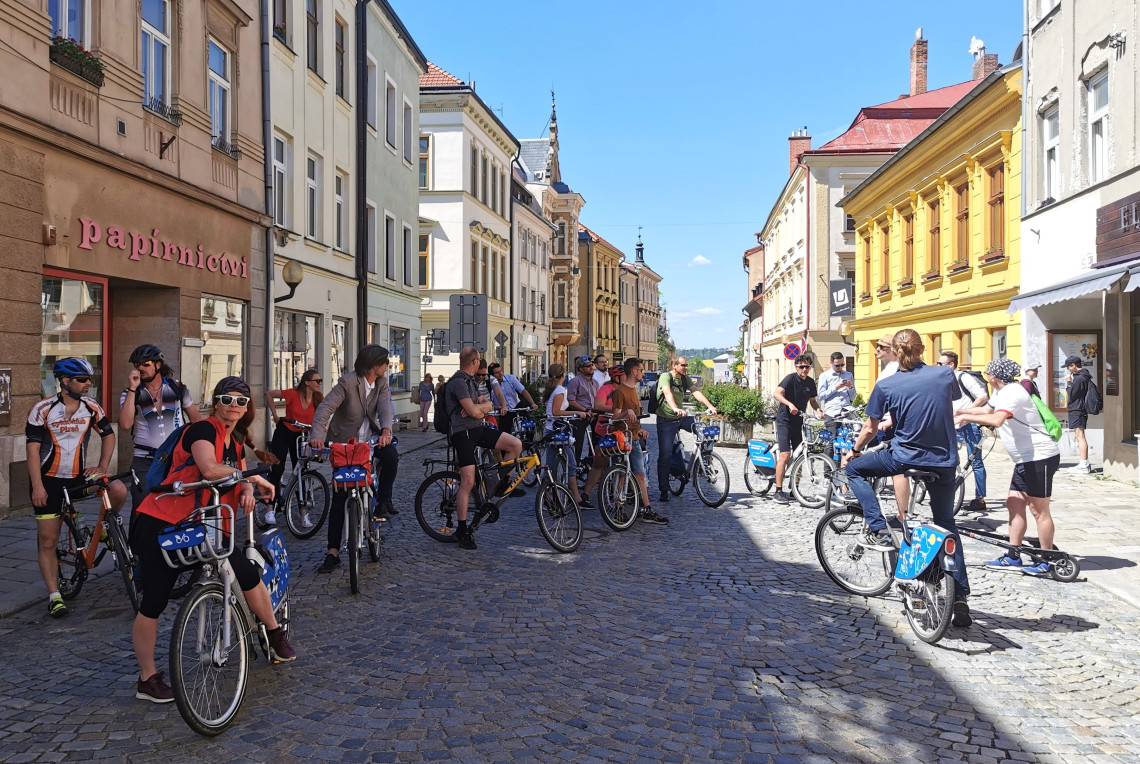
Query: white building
530	280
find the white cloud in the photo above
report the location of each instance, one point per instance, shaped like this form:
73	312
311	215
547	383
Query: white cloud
720	329
707	311
699	260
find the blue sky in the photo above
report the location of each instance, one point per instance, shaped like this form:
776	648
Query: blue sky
675	116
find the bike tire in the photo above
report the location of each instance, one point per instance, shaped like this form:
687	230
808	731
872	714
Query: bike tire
260	508
436	505
308	495
616	489
960	496
811	480
560	469
559	517
124	559
677	483
845	560
352	507
938	596
372	539
710	479
71	564
757	484
208	695
530	479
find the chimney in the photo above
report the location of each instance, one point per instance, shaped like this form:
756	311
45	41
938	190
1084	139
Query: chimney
985	64
798	143
918	64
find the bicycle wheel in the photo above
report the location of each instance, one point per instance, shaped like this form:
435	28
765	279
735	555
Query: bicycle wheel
960	494
436	505
352	507
710	479
929	603
530	479
72	565
308	498
260	508
677	482
560	469
811	480
559	517
124	559
846	561
757	484
372	539
208	678
618	497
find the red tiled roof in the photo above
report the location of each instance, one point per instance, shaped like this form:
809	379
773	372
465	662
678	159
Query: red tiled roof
438	77
595	238
890	126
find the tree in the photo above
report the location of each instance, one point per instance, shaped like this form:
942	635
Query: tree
665	348
738	361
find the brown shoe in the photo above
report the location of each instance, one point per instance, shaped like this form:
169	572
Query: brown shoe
154	689
280	651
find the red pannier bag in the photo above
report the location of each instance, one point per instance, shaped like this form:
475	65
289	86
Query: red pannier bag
351	463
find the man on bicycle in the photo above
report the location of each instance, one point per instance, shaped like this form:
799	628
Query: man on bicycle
359	407
466	410
671	418
919	399
580	394
972	394
511	389
626	404
835	391
794	393
57	432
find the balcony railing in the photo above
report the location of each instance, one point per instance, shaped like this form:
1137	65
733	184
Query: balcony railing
227	148
164	110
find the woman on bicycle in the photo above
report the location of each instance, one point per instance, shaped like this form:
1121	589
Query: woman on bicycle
554	396
300	403
209	449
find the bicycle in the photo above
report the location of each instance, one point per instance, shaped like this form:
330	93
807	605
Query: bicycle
78	552
359	481
214	631
308	494
810	469
524	428
619	495
559	517
705	468
965	467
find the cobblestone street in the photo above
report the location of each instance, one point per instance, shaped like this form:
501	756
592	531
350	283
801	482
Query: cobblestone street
717	637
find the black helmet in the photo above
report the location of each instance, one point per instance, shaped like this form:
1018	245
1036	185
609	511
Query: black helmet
145	353
231	385
72	367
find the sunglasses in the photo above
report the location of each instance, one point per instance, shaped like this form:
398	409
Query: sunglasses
232	400
318	381
81	380
144	364
882	347
838	364
803	367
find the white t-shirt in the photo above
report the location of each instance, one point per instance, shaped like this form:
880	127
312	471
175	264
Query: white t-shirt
1024	436
972	387
550	413
888	370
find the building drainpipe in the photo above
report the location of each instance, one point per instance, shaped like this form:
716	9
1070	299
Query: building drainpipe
511	263
807	251
267	140
361	174
1024	95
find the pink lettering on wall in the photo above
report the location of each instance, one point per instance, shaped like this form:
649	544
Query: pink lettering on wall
140	243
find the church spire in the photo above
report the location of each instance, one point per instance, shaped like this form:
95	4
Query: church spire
640	248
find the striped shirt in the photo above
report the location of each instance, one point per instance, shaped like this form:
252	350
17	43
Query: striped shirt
63	440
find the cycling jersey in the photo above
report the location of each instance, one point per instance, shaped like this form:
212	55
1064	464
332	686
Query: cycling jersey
154	423
63	440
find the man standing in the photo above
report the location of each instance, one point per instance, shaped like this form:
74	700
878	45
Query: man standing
972	394
1079	379
511	389
836	391
359	406
627	405
671	418
466	410
580	394
601	369
1029	378
794	393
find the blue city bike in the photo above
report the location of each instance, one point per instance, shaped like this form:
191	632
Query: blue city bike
706	468
361	485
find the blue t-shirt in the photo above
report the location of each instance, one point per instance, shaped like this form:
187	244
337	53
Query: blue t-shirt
921	402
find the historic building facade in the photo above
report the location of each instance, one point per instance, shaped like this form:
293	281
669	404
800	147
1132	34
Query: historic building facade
649	312
532	234
597	295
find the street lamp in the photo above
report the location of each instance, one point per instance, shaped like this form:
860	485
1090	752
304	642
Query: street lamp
292	273
845	332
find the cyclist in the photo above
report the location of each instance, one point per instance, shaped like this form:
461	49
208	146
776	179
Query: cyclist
152	406
580	394
466	410
57	433
359	407
558	405
603	403
794	393
919	399
971	394
488	386
601	369
836	391
512	390
208	450
885	354
671	418
627	405
300	404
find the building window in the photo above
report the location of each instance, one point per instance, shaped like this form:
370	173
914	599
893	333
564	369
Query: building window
849	223
397	356
503	277
280	182
341	74
425	157
1098	127
560	300
370	95
560	239
474	171
340	187
390	112
224	331
294	347
312	197
425	243
281	20
934	255
962	224
483	185
69	19
494	190
370	236
884	254
866	264
74	324
485	276
156	53
908	249
502	193
338	352
494	290
1050	147
542	309
1044	6
219	93
390	247
407	132
312	35
522	302
997	210
475	267
408	265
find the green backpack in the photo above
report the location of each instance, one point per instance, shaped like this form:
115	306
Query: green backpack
1047	418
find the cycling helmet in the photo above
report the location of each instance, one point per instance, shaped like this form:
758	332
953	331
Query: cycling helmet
616	370
232	385
585	360
144	353
72	367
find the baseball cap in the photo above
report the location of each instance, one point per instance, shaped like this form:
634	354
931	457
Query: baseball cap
585	360
888	340
1074	359
1034	364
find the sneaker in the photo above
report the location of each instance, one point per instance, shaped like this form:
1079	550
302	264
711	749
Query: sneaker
1040	569
390	508
651	517
585	504
962	617
270	518
466	539
56	607
154	689
782	497
1081	468
306	522
331	563
1005	563
880	541
663	498
977	505
280	651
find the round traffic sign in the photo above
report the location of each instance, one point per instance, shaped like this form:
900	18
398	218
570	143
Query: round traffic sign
791	351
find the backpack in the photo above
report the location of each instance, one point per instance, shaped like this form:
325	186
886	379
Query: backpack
977	375
1048	418
653	392
163	466
1094	403
442	417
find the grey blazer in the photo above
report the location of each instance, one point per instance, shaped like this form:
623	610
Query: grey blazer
344	410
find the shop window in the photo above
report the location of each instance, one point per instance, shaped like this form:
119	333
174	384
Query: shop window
73	325
223	335
339	350
397	349
294	347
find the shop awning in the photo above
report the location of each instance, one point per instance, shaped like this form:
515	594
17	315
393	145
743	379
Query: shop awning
1094	281
1133	279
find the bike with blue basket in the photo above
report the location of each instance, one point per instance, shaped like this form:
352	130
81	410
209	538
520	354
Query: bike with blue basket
215	631
354	473
703	466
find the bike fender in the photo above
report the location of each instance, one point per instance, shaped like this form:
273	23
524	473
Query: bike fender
275	571
926	544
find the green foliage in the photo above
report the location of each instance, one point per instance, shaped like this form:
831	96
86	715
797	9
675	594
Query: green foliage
738	404
665	349
859	400
535	391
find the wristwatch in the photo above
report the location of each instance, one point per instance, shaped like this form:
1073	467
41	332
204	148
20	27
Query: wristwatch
856	450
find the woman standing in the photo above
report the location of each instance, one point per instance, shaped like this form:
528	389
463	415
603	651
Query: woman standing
300	404
554	396
426	393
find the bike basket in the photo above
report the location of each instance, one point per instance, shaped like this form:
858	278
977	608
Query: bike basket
708	433
350	454
814	434
561	437
192	541
524	425
356	476
615	444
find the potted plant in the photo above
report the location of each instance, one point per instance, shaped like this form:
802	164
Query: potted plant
992	255
279	31
70	55
958	265
742	408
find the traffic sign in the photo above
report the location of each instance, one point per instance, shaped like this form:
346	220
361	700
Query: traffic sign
468	319
792	351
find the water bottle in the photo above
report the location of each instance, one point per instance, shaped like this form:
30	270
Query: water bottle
82	532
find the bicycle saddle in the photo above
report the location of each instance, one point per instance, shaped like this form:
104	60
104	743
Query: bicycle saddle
923	475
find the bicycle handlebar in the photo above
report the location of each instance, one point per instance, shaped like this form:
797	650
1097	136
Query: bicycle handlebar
295	423
103	480
178	488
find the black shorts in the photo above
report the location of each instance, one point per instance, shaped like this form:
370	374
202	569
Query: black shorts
789	434
1078	419
55	488
1035	478
466	441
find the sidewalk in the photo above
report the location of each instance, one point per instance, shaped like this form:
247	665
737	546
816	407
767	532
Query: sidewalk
21	585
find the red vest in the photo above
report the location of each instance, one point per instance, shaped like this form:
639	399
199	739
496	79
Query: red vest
175	509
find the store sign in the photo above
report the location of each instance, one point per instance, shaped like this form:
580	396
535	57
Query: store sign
141	245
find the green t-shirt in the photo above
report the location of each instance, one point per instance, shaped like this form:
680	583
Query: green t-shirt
679	384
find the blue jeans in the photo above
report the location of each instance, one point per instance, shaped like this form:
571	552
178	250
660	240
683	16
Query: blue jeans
972	434
883	464
667	430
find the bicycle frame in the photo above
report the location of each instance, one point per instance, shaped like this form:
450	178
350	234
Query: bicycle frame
90	551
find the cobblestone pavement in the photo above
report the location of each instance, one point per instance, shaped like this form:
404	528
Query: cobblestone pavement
717	637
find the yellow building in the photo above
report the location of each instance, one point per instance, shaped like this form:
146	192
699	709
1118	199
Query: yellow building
938	234
598	295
